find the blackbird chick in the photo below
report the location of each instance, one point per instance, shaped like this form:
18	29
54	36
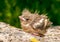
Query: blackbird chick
34	23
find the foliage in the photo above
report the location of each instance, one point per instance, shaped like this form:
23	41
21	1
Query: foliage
11	9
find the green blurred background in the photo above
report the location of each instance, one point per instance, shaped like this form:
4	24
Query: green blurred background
11	9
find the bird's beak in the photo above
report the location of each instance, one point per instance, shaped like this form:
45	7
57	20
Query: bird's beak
21	18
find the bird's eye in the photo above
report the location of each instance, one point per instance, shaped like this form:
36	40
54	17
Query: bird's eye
27	19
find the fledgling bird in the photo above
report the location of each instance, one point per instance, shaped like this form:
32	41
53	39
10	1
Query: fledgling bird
34	23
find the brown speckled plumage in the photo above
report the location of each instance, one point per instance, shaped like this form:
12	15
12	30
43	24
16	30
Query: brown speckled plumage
34	23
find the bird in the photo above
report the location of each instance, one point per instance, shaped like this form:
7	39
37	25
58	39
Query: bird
34	23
